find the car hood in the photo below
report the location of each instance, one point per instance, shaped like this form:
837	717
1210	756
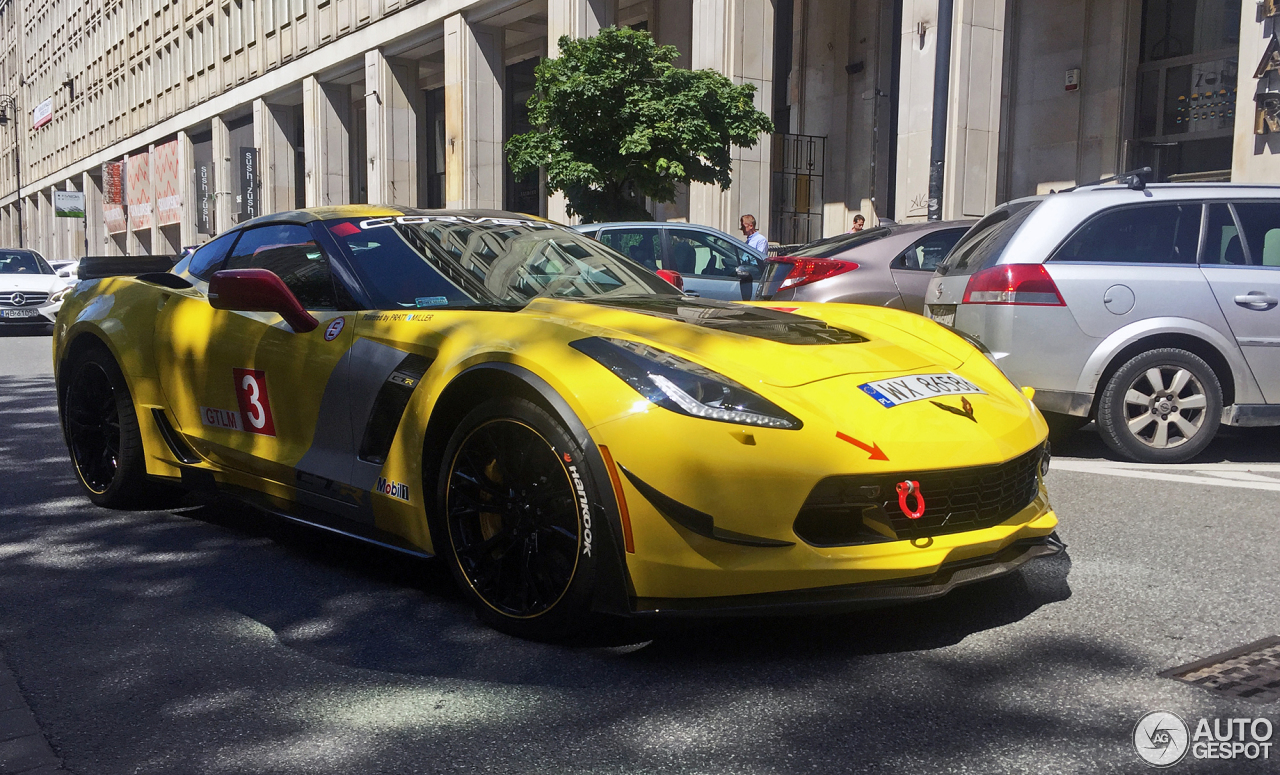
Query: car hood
758	343
42	283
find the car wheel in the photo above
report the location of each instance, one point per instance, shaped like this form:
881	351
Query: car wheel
101	429
515	500
1163	406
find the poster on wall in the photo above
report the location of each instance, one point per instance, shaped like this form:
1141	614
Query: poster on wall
113	197
139	192
248	183
206	203
164	168
68	204
42	114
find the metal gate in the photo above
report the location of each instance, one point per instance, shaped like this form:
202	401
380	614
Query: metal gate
795	203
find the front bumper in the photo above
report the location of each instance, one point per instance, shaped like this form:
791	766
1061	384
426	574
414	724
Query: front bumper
855	597
44	315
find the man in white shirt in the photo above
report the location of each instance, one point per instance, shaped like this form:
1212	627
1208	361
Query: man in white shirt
754	238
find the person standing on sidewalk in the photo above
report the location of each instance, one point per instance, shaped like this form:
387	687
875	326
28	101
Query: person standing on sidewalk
754	238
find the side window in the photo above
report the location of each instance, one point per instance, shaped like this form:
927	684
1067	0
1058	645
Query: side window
291	252
1222	244
706	255
1261	224
1148	234
208	257
928	251
642	245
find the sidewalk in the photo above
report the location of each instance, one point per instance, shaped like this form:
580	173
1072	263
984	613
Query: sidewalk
23	748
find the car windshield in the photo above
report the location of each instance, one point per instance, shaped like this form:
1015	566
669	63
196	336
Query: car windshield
826	248
982	245
453	261
23	262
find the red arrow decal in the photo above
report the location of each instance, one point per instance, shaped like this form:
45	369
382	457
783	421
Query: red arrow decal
873	448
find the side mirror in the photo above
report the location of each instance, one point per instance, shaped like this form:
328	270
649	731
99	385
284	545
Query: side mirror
744	282
673	277
259	290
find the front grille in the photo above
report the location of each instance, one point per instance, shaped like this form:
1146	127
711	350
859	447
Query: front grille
863	508
28	299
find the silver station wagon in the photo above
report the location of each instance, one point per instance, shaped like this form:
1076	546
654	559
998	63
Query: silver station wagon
1152	309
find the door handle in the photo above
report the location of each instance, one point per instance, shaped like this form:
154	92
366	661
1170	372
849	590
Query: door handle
1257	300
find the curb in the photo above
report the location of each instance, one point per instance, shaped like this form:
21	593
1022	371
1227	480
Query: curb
23	748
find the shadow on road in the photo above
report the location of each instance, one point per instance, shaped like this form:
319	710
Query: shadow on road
174	628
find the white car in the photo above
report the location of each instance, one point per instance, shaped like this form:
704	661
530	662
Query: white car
30	291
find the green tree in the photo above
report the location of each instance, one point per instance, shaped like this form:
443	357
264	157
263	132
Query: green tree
617	122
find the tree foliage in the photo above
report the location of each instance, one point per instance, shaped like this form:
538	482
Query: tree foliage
617	122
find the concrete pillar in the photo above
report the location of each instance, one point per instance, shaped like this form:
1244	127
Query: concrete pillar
97	232
222	171
391	128
326	117
74	228
156	238
273	126
473	77
576	19
735	37
187	190
973	109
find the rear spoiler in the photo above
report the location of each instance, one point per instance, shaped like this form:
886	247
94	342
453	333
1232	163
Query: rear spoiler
96	267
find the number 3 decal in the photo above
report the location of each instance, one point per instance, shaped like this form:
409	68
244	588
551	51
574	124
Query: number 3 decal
255	406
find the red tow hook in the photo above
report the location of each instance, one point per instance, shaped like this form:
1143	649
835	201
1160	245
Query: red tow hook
906	489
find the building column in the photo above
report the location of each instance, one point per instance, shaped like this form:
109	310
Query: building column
973	109
273	125
473	77
735	37
95	229
391	128
222	171
326	117
576	19
158	243
187	190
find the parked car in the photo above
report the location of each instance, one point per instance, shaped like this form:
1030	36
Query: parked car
707	259
888	266
30	291
67	270
1152	309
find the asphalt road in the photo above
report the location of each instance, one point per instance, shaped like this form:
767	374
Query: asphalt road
214	640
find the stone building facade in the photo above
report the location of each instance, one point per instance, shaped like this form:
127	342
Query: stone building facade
179	118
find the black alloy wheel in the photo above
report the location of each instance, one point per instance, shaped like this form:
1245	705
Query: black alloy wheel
101	429
92	419
513	518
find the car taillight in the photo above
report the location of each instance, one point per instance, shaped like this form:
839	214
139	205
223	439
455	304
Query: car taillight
1013	284
810	270
673	277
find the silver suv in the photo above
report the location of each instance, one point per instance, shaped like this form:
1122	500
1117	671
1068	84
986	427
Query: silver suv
1152	309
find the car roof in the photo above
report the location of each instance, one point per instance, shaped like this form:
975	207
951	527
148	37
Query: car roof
310	214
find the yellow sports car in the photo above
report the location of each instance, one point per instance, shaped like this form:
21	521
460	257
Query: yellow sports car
571	433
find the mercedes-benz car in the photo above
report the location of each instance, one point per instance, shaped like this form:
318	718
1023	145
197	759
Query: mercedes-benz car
564	428
30	291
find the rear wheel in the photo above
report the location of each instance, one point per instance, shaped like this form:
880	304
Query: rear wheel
1163	406
516	501
102	433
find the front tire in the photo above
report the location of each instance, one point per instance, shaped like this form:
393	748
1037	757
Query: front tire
515	504
1163	406
101	428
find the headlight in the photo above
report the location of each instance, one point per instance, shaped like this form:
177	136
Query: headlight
57	296
682	386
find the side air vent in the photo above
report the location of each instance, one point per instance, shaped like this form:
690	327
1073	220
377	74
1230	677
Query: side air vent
173	441
389	407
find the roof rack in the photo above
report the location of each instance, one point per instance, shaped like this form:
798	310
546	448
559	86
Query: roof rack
1134	179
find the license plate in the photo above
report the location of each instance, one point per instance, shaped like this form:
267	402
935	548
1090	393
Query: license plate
19	313
943	313
918	387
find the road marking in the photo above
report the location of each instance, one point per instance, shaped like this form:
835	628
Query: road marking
1246	476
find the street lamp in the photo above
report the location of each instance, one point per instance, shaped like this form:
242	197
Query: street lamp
9	102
